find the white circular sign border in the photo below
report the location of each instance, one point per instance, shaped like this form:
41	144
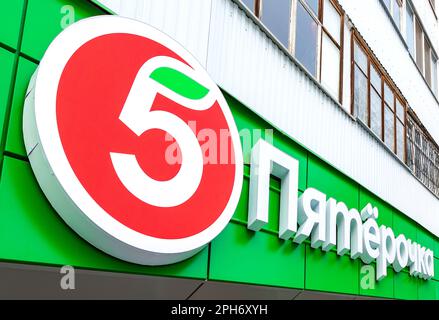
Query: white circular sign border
163	251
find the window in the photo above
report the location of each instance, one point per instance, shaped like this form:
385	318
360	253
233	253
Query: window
427	59
318	41
410	29
400	128
394	7
306	39
376	102
249	4
312	31
420	48
276	15
422	154
360	85
434	83
331	48
389	117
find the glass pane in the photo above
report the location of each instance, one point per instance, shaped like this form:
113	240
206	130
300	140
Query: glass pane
314	6
397	13
360	57
387	3
410	30
389	122
250	4
434	84
409	146
306	39
276	16
409	150
388	96
330	66
427	60
400	140
360	96
375	112
400	110
375	78
419	47
332	20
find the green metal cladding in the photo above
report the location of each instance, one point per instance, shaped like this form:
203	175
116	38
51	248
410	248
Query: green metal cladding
32	232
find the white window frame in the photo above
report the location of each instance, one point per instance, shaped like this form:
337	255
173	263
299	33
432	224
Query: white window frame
434	82
401	13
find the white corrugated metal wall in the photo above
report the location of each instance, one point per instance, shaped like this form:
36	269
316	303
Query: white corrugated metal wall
186	21
245	62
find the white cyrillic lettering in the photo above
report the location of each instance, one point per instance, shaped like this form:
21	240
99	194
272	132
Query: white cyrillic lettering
266	160
344	228
402	253
311	215
371	241
387	251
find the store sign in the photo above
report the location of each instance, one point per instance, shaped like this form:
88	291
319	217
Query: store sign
113	124
110	97
327	222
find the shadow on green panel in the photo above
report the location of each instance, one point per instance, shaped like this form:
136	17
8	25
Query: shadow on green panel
241	255
326	271
331	182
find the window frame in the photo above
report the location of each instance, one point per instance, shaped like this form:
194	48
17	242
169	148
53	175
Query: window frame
340	46
321	30
293	29
372	61
390	11
259	6
424	38
417	163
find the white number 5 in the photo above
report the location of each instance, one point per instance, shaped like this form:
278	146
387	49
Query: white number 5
138	117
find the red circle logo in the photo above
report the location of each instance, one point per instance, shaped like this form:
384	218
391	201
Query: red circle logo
145	155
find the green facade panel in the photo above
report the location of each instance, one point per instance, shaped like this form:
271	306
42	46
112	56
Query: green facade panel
45	19
11	13
370	287
425	239
385	212
14	142
241	255
327	271
405	286
402	225
331	182
427	290
6	65
31	231
436	269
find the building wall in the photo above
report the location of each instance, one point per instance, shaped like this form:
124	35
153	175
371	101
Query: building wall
32	232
